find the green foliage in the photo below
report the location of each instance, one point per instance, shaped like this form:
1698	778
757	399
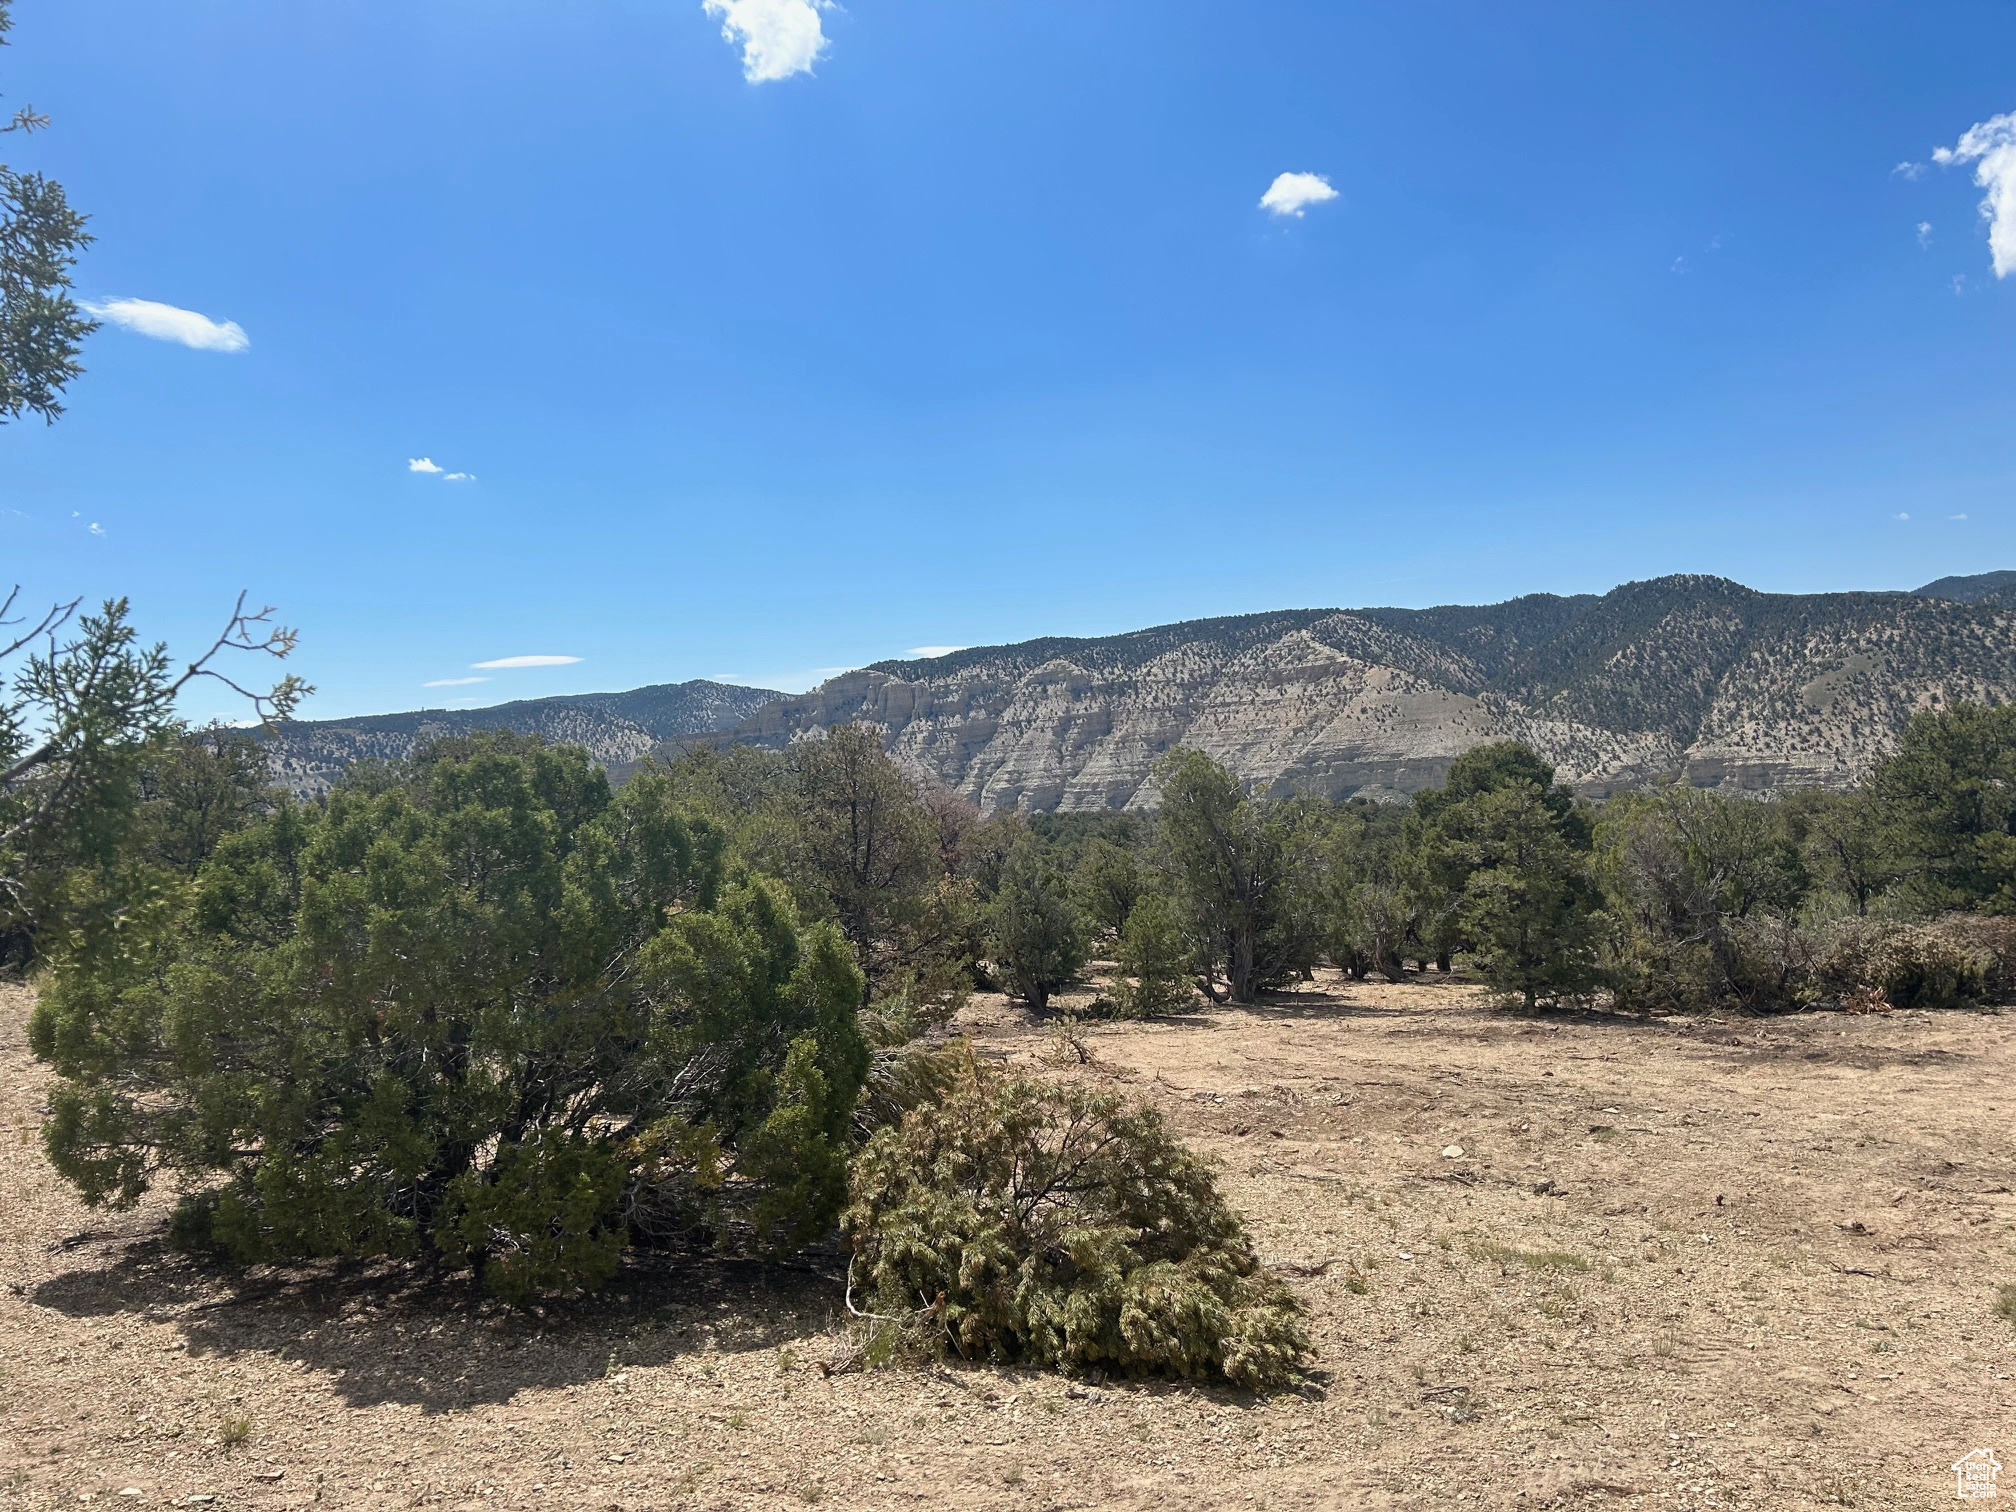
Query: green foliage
1241	872
1704	889
101	787
1154	964
1061	1227
192	791
1373	906
484	1010
1036	934
1910	965
541	1221
1845	845
859	844
797	1155
1108	882
41	328
1495	767
1508	849
1948	800
861	840
1528	907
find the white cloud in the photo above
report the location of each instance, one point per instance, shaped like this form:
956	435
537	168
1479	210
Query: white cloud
778	38
1956	517
1910	170
95	528
422	465
1291	193
524	661
453	682
929	651
1991	147
1924	233
166	323
459	478
1903	516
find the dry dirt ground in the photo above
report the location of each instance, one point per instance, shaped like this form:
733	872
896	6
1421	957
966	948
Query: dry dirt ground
1736	1263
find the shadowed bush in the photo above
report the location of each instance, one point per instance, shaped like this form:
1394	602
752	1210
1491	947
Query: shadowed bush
1912	965
479	1011
1022	1222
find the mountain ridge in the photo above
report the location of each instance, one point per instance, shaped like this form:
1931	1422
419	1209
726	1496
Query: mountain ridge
619	729
1686	677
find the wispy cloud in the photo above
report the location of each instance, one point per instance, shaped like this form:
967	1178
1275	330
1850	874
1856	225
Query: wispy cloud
1956	517
95	528
1924	233
1903	515
1909	170
459	478
1292	193
930	651
164	322
1991	147
453	682
506	662
778	38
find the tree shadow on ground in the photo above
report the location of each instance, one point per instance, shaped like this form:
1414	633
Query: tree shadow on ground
399	1334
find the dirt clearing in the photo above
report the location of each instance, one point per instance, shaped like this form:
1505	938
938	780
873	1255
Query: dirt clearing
1549	1261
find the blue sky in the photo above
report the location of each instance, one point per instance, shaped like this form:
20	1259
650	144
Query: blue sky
977	329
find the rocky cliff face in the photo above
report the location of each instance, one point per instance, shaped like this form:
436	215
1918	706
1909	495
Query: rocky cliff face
1698	679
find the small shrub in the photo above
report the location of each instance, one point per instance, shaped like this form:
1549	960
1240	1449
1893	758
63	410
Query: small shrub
234	1431
1055	1226
1910	965
1154	968
1038	938
2005	1302
1991	939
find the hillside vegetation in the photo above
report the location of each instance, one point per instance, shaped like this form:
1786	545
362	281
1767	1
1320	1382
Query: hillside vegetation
617	729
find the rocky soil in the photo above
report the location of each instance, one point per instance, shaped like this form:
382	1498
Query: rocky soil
1549	1261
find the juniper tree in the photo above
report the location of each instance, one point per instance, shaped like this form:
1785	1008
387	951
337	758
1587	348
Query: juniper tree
1241	871
1036	934
41	328
1154	968
90	714
488	1012
1948	797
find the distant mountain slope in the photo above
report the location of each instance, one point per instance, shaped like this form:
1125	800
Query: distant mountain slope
617	728
1980	588
1694	678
